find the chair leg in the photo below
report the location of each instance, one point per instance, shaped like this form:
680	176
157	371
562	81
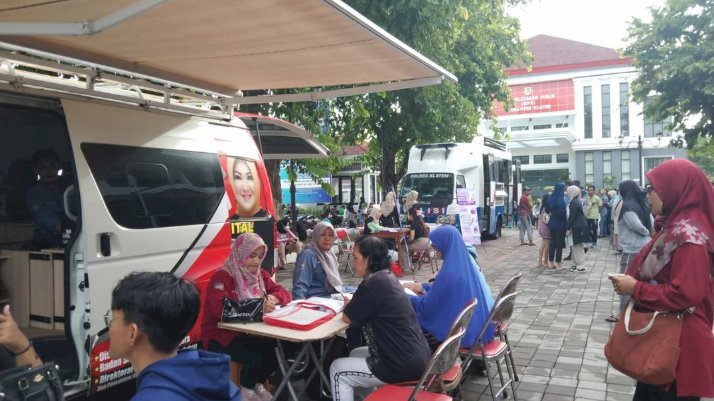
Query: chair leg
511	375
510	356
489	378
500	374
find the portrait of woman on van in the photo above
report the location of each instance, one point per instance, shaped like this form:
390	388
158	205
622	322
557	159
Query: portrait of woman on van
245	184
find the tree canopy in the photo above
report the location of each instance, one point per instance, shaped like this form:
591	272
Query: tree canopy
674	53
475	40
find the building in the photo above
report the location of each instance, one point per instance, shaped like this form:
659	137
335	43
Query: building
573	119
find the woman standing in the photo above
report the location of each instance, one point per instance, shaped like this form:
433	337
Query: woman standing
634	227
558	220
544	232
396	350
242	278
316	268
673	272
577	227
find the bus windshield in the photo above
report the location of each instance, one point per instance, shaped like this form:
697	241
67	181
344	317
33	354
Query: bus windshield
432	187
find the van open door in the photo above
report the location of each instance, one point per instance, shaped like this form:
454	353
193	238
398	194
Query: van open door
281	140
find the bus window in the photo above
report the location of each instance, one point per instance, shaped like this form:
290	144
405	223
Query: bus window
460	181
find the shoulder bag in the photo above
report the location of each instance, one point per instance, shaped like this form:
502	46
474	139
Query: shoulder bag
243	311
645	346
23	383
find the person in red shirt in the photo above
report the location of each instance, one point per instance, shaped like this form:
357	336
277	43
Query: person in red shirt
674	271
241	278
525	213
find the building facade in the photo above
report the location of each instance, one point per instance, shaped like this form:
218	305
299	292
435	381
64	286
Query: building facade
572	118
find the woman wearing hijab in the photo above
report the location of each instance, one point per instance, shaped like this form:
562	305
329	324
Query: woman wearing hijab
634	226
673	272
316	268
556	208
544	232
390	212
411	200
577	227
458	281
242	278
371	225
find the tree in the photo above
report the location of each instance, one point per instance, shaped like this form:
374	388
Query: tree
702	153
473	39
674	54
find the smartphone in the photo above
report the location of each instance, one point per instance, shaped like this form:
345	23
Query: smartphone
3	302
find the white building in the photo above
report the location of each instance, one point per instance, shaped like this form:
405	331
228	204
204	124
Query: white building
573	118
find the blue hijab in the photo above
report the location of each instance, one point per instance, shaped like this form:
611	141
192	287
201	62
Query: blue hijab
557	198
458	281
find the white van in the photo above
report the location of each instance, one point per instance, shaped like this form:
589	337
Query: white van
437	171
134	188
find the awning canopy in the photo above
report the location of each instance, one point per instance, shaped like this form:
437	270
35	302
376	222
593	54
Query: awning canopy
224	46
281	140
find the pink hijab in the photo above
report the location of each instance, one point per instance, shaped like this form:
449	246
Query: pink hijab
248	285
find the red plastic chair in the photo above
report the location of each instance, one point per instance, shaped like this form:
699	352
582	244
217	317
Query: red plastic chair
441	362
501	328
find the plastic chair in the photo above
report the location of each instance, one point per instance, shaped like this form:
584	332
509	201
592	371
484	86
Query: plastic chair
496	350
451	380
345	246
441	361
501	329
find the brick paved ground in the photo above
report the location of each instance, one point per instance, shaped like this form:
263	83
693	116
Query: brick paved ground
558	329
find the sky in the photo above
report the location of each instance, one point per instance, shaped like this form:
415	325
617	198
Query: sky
598	22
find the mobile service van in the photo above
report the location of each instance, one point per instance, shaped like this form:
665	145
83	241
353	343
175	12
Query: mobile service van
94	187
438	171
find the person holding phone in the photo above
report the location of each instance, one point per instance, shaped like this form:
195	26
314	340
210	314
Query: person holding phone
15	348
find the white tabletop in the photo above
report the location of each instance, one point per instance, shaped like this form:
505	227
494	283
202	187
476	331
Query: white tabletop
321	332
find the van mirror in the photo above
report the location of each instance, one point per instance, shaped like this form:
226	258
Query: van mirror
150	189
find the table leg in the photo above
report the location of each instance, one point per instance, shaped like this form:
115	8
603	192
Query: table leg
289	371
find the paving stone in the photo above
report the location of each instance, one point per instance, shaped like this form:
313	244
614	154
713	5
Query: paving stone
560	390
620	388
559	381
590	394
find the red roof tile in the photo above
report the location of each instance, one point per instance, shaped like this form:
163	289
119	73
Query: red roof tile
551	53
355	150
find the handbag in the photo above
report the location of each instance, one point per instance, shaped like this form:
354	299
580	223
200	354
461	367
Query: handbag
243	311
645	346
24	383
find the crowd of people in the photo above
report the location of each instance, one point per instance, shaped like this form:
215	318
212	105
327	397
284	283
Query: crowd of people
663	234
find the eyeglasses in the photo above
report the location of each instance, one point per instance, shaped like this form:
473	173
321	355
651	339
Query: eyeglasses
650	188
108	318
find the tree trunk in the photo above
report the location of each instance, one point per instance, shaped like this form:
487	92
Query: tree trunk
388	157
273	167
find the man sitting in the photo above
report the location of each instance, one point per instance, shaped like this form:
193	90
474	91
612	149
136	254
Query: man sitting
151	313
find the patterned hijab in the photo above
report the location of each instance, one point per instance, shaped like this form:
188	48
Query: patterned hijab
688	213
248	285
327	259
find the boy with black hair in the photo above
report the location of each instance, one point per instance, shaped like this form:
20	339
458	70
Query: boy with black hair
44	200
151	313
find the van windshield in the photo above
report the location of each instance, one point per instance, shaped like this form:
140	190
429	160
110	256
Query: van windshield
432	187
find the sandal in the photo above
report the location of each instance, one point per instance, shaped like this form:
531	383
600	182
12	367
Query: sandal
612	319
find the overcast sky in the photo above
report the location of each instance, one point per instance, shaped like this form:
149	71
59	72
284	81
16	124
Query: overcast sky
599	22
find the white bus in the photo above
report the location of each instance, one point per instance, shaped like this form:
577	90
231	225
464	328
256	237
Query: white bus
483	166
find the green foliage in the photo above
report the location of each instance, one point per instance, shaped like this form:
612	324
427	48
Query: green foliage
674	54
702	153
473	39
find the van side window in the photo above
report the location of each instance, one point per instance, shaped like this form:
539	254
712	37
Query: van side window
460	181
149	188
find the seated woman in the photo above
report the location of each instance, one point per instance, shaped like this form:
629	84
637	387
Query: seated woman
417	240
397	350
411	200
458	281
287	242
372	226
350	219
316	268
241	278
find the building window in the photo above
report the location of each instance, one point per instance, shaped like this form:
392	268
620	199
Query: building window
606	163
542	159
625	157
543	126
605	94
624	109
652	128
562	158
561	125
589	168
588	103
652	162
523	159
520	128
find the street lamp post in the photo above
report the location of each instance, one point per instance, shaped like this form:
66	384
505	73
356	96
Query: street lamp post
639	143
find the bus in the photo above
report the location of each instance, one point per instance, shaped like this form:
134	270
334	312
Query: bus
437	171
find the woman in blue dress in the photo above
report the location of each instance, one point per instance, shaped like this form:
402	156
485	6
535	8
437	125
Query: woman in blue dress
556	208
458	281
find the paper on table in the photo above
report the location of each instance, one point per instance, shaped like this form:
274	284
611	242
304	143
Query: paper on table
295	314
341	296
333	304
410	292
